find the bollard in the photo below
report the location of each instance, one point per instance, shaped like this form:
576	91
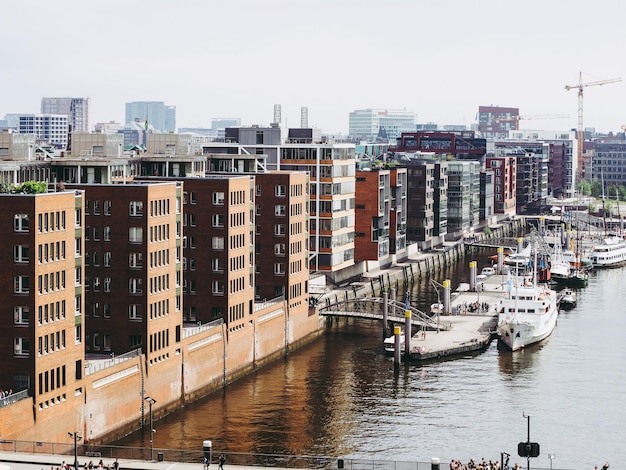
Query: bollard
434	463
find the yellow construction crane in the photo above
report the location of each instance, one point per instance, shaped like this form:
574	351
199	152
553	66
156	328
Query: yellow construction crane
517	119
580	132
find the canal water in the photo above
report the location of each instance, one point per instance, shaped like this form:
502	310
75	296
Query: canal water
340	396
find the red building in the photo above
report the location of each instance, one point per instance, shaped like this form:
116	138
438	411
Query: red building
505	170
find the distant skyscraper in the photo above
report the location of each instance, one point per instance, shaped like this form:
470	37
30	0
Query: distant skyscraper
76	110
161	116
369	124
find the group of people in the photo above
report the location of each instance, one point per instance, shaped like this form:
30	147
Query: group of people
90	466
222	461
482	465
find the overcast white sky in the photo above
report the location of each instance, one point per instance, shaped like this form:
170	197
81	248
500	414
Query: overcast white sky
237	58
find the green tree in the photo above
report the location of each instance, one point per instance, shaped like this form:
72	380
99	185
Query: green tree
596	188
584	188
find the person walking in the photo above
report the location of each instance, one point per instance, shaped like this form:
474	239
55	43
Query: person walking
205	464
222	462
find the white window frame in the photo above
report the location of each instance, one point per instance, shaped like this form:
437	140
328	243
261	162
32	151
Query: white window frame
21	253
21	315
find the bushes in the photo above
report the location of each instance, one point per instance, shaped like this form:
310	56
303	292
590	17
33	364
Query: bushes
29	187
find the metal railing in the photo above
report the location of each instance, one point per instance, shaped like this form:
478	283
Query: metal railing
13	398
109	453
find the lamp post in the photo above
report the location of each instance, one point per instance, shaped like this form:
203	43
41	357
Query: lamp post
74	435
151	401
551	457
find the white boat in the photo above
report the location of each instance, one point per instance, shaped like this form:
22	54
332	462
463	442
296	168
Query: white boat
436	309
608	253
559	267
527	314
488	271
390	344
568	298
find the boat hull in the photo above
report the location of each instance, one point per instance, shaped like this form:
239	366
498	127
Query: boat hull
517	334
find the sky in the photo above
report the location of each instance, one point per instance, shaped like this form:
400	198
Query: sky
238	58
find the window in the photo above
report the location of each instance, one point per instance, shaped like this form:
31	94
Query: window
134	312
20	253
107	207
216	265
135	234
217	287
21	285
280	190
279	268
21	347
107	233
279	249
217	243
106	307
20	223
135	260
135	208
21	315
218	198
134	286
279	229
107	284
280	210
218	220
107	258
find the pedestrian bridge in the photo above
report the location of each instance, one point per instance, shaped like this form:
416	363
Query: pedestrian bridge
372	308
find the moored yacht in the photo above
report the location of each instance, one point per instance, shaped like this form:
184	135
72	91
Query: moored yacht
527	314
608	253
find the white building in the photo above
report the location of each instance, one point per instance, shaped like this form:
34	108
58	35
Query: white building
368	124
47	128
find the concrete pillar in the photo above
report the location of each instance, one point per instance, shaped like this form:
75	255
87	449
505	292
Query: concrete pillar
520	244
472	267
393	300
396	344
500	259
407	331
446	296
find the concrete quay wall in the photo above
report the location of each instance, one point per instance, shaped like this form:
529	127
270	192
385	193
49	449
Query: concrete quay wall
111	401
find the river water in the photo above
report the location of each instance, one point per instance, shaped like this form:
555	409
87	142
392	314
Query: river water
340	396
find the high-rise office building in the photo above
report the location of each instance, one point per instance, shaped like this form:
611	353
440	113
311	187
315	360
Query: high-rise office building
156	113
76	110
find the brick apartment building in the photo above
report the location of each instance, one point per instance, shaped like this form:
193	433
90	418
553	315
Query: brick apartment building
41	251
132	263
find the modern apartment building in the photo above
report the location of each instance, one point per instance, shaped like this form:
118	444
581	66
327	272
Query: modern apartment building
495	122
381	212
76	110
133	248
331	168
50	129
532	162
155	113
427	206
370	124
505	186
463	197
42	250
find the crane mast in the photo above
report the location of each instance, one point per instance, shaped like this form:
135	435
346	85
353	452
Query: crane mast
580	134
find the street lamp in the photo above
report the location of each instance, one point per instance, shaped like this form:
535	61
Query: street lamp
74	435
551	457
151	401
